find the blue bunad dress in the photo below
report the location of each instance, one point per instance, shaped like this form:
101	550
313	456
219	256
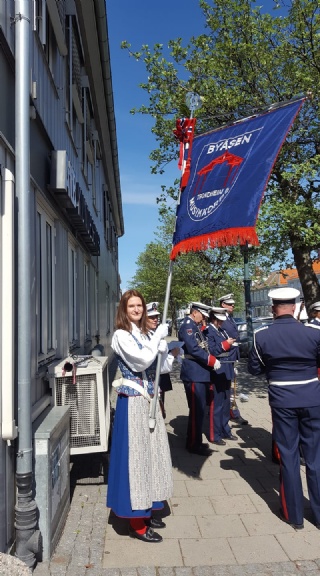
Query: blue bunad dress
219	347
288	352
140	470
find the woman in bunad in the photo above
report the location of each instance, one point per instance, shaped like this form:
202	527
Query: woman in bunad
220	345
140	471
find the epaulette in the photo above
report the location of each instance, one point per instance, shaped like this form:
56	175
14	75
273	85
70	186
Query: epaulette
259	329
312	326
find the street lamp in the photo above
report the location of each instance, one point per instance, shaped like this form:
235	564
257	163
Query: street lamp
247	291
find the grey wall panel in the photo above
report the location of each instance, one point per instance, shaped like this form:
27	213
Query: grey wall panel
7	100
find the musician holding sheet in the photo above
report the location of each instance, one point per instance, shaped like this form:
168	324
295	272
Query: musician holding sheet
196	375
222	346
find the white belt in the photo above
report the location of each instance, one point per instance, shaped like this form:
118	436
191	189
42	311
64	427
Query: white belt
134	385
293	382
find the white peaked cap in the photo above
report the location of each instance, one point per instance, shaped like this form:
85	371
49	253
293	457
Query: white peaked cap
283	295
219	313
227	298
152	309
203	308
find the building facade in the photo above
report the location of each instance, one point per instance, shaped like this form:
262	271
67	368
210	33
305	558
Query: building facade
261	303
75	205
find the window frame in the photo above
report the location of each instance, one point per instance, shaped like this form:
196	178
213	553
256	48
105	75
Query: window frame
45	293
73	295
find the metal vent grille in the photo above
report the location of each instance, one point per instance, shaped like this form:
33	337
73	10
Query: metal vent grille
82	397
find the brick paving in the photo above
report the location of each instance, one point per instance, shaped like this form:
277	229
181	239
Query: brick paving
221	521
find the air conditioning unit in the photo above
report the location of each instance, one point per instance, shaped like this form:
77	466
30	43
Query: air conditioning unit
82	383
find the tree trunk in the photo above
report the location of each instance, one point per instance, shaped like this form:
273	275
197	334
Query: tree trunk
308	279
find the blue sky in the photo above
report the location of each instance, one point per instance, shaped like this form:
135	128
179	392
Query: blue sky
142	22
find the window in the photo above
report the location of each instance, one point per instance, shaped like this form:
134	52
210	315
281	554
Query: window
86	300
108	308
39	14
45	305
74	63
43	26
73	276
95	305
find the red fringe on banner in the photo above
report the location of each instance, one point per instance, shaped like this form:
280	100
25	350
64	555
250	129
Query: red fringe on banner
228	237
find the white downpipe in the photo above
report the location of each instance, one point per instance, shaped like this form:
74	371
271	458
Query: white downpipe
9	428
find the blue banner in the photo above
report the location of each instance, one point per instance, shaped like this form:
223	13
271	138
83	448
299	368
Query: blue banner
230	169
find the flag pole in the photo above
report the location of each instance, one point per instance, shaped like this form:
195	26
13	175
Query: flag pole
193	101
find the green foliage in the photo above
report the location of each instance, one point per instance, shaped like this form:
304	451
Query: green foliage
244	61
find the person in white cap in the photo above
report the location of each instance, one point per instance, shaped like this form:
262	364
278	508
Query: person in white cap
315	314
288	352
165	384
229	325
196	374
227	302
221	345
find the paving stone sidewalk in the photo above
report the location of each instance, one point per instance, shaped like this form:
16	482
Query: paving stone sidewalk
222	520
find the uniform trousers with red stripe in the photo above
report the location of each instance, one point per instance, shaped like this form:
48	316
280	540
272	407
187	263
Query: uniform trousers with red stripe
196	393
221	410
292	426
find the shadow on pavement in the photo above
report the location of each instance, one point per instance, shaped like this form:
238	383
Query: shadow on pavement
88	469
256	467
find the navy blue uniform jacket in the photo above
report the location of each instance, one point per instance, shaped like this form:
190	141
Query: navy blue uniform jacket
197	366
288	352
218	345
231	328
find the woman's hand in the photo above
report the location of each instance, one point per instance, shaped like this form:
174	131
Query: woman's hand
162	330
162	347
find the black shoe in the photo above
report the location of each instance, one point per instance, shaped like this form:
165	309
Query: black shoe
155	522
148	536
295	526
240	420
231	437
219	442
200	450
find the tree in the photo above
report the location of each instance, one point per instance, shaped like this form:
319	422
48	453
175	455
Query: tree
244	62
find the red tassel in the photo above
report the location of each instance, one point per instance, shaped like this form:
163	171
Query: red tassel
227	237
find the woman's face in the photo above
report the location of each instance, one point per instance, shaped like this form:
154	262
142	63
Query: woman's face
134	309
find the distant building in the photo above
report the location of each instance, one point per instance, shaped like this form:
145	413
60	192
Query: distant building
261	304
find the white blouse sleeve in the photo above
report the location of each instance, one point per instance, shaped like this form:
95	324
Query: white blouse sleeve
136	358
166	363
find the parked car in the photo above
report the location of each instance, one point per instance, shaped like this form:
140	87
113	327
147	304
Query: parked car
244	345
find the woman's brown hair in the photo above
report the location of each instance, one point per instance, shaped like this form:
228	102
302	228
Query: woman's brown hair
122	320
